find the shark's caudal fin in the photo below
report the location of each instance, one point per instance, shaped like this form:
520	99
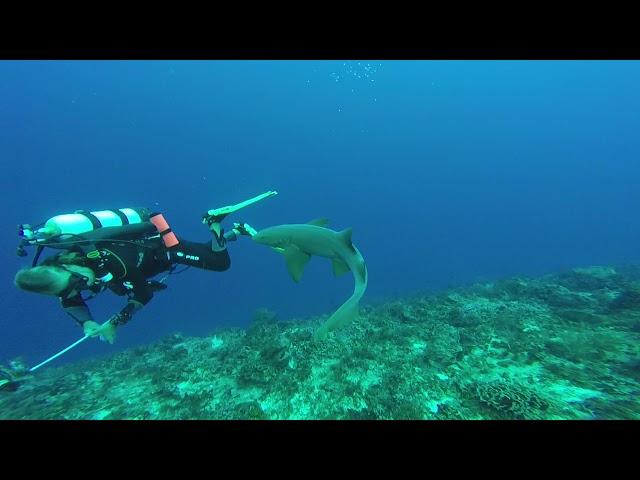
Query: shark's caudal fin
349	310
347	313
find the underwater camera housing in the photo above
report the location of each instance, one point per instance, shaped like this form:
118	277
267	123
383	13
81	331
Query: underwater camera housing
29	236
25	232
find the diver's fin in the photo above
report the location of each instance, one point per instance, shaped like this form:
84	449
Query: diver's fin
222	212
319	222
9	385
296	260
339	267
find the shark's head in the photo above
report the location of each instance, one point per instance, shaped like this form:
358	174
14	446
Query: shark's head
272	236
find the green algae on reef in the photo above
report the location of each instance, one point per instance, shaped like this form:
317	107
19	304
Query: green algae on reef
562	346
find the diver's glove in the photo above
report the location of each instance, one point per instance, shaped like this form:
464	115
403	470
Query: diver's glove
240	229
244	229
91	328
106	331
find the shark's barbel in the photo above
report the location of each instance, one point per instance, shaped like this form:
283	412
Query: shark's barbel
298	242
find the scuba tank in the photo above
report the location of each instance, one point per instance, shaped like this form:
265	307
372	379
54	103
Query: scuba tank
82	221
82	227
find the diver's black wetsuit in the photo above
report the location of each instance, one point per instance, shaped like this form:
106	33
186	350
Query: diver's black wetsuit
133	264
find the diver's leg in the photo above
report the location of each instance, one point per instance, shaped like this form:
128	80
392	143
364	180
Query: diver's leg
201	255
213	256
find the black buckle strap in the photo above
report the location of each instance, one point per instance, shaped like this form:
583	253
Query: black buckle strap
123	218
95	221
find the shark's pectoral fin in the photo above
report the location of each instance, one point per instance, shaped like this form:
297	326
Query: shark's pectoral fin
296	260
339	267
319	222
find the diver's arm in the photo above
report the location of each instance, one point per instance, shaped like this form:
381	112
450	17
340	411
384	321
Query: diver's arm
77	309
124	315
140	295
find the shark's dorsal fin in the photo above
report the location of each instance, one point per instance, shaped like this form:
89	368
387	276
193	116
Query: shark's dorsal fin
296	260
345	237
319	222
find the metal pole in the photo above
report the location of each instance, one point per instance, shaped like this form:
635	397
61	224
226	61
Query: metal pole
59	353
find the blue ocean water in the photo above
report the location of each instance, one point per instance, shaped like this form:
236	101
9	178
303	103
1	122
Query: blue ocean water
449	172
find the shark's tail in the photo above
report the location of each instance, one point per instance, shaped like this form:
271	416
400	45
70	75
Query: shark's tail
350	309
343	316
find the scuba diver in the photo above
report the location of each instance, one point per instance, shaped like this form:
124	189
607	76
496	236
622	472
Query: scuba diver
119	250
14	375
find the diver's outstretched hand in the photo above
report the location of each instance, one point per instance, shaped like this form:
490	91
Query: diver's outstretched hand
91	328
106	331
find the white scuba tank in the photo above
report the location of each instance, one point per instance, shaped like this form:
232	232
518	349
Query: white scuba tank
83	222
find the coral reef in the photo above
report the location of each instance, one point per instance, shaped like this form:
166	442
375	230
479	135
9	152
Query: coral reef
563	346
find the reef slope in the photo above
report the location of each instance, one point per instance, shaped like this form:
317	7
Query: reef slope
564	346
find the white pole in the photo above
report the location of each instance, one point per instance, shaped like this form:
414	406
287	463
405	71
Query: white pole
59	353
